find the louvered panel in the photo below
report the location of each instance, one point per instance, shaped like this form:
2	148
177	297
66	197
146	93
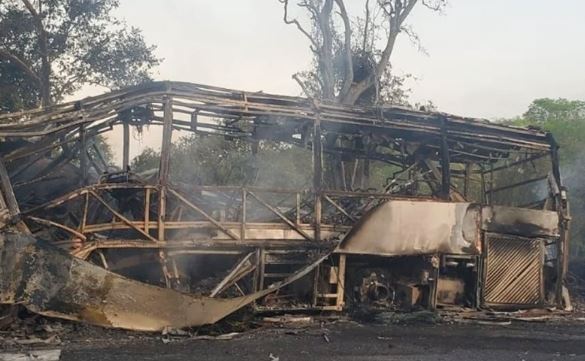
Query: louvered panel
513	270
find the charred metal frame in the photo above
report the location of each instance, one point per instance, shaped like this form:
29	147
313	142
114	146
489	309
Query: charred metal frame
439	141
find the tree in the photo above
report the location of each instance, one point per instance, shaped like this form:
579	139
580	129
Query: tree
348	64
565	119
546	110
16	90
351	65
50	48
215	160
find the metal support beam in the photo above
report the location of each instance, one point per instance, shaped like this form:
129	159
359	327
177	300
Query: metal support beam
445	162
338	207
83	158
467	180
243	225
126	146
339	301
282	217
564	218
7	191
121	217
240	270
164	168
317	173
203	213
163	180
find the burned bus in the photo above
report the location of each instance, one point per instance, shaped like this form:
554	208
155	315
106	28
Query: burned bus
395	209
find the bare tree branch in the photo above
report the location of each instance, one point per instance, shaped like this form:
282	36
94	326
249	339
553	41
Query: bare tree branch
21	63
397	11
326	52
435	5
302	85
59	91
401	12
45	77
326	41
31	9
298	24
366	26
414	38
307	4
348	79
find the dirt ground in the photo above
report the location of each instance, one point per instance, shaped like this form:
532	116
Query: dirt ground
346	340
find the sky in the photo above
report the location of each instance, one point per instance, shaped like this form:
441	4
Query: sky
486	59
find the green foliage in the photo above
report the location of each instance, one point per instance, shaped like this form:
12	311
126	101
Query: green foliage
548	110
565	119
16	90
147	160
105	149
215	160
61	45
212	160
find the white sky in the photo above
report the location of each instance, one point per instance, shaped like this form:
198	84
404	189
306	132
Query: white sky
486	59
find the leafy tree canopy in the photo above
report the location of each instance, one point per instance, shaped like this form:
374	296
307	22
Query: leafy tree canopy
565	119
50	48
215	160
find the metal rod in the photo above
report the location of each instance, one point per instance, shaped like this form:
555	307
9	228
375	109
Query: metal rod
445	162
338	207
467	180
164	167
59	225
298	208
121	217
317	173
83	159
126	146
242	268
243	226
147	210
84	215
564	219
205	215
281	216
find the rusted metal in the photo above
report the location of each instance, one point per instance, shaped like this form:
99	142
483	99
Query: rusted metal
58	225
242	268
513	271
55	284
424	211
207	216
395	229
125	220
281	216
126	145
317	173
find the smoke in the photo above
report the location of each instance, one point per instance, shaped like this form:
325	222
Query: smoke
572	178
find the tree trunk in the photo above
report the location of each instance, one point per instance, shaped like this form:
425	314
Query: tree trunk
45	75
45	83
